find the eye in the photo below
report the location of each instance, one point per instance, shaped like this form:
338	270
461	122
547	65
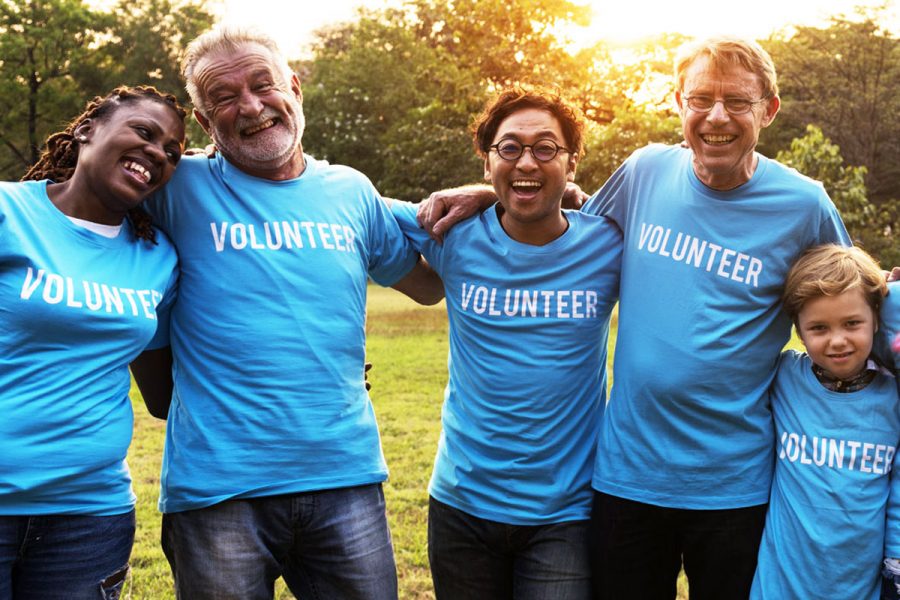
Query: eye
545	150
509	149
142	131
174	155
738	105
701	102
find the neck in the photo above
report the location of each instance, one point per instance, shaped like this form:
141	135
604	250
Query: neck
291	169
74	200
534	234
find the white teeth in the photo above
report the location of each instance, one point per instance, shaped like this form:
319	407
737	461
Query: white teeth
717	139
260	127
139	169
524	183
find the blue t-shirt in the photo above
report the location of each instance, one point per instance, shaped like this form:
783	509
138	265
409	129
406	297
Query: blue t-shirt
75	309
268	334
527	365
888	330
700	326
825	529
890	325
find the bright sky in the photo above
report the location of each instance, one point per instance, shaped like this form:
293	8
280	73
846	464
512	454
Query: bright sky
292	23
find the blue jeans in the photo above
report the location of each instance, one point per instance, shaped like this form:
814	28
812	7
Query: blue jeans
637	550
64	557
332	544
481	559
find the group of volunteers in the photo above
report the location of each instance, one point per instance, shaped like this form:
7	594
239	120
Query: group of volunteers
761	473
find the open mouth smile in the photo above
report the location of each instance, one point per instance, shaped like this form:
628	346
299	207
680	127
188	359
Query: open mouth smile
139	171
257	128
717	140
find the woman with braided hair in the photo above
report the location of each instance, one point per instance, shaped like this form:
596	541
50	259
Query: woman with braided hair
85	283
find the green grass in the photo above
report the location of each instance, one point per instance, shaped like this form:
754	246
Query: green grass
408	345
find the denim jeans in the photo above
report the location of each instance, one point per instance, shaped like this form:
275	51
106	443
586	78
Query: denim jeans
478	559
332	544
64	557
637	550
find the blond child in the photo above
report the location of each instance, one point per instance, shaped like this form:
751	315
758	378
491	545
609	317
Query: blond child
837	423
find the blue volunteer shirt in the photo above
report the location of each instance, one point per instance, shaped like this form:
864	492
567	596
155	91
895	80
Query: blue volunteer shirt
527	365
268	334
834	459
75	309
700	326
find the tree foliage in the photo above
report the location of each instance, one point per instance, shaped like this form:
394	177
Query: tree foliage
56	54
844	78
42	42
393	93
870	225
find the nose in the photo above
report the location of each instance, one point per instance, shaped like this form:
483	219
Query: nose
156	151
249	103
718	113
527	162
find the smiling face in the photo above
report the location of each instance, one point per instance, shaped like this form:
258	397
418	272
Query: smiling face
723	144
124	157
530	191
253	114
838	331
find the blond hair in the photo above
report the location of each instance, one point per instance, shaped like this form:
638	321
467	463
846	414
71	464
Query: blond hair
226	38
831	270
729	52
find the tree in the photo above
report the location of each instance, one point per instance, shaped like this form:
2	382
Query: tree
844	78
871	226
42	42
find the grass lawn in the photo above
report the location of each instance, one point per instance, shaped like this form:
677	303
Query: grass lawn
408	345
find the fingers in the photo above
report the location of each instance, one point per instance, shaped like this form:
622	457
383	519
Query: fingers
574	196
431	216
894	275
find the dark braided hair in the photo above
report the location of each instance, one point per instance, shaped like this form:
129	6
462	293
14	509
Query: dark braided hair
59	159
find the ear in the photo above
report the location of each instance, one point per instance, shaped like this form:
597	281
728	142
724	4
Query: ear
679	101
487	169
571	165
85	129
772	107
295	87
204	122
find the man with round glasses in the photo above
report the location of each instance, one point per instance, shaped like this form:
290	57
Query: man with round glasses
685	455
529	290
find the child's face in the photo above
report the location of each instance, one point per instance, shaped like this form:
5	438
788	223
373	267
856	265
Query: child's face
837	332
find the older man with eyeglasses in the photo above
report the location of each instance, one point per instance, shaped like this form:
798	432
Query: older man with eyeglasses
685	455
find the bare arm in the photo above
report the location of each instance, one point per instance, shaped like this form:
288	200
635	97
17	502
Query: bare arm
421	284
444	209
152	371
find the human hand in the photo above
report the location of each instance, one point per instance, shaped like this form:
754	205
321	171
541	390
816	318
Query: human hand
366	368
574	196
894	274
210	151
444	209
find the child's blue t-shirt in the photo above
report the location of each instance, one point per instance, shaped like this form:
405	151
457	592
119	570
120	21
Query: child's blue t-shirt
700	326
527	365
268	334
75	309
834	456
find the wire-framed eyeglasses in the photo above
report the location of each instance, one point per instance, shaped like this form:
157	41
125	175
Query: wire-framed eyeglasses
733	106
542	150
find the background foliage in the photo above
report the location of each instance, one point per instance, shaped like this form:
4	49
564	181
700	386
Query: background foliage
393	92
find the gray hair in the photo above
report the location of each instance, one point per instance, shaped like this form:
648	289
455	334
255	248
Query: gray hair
728	51
226	38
